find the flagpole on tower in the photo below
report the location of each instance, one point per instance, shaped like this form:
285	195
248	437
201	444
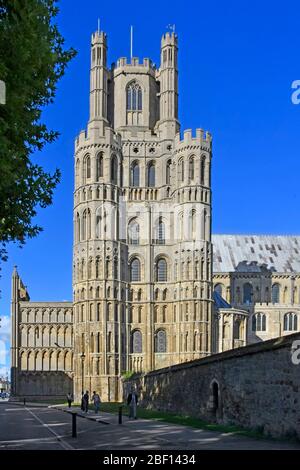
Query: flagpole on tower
98	25
131	42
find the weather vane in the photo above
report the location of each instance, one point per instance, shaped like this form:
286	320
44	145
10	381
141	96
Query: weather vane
171	27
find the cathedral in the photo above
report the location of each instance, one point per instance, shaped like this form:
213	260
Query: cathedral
151	287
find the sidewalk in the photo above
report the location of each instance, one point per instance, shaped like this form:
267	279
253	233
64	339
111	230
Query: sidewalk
42	426
154	434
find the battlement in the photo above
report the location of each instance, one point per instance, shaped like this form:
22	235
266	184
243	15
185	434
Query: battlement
99	37
92	136
188	138
169	39
134	62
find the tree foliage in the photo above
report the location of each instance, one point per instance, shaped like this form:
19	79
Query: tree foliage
32	60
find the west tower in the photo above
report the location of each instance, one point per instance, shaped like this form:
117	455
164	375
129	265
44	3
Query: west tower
142	231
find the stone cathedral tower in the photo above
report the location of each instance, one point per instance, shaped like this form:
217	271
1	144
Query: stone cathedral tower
142	230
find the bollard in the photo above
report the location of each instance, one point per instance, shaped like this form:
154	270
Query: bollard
120	414
24	401
74	425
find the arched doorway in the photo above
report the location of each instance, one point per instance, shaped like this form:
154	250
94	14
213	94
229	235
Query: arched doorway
215	397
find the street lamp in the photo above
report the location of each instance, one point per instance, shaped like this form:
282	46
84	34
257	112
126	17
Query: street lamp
82	371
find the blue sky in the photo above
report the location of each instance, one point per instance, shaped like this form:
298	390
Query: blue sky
237	61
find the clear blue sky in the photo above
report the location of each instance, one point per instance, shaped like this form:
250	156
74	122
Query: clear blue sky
237	61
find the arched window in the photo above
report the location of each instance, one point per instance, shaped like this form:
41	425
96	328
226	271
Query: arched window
247	293
191	168
77	172
160	235
290	322
181	169
259	322
133	232
202	170
160	342
168	172
89	268
78	227
135	174
84	222
86	168
164	314
108	347
219	289
135	270
204	224
275	293
151	174
92	343
136	342
116	269
98	223
161	270
98	311
114	170
140	311
181	226
99	166
134	97
236	329
88	224
193	227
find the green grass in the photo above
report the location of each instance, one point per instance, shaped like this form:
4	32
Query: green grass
50	402
182	420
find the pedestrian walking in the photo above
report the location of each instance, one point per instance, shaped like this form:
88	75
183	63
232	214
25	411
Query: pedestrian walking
132	401
97	400
86	399
69	399
82	406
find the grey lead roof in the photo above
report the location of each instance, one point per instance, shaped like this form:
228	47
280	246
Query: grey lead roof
256	253
219	301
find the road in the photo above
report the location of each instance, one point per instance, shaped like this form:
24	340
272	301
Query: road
35	427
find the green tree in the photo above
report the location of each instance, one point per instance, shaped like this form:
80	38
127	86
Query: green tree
32	60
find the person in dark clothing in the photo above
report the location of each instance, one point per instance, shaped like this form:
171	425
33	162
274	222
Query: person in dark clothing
82	402
132	401
86	399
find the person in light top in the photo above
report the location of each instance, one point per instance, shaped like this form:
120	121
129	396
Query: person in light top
132	401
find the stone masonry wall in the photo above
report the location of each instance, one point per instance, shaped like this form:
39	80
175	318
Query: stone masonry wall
255	387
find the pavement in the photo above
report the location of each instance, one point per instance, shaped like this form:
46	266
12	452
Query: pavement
43	427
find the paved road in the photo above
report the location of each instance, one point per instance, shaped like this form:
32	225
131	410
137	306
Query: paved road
34	427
